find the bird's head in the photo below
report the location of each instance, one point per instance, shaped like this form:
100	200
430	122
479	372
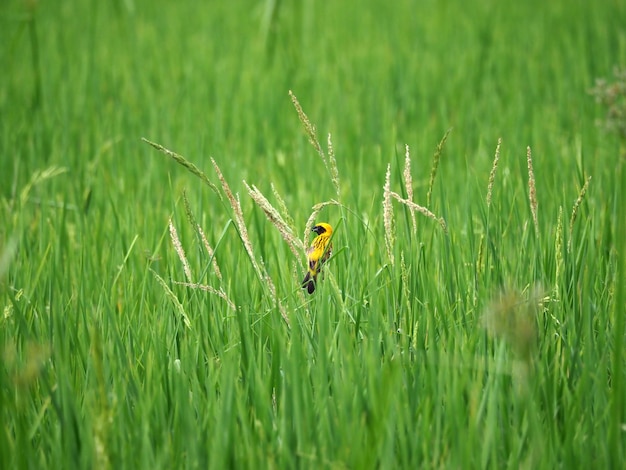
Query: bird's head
322	227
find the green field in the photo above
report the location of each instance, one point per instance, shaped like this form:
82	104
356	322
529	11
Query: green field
472	314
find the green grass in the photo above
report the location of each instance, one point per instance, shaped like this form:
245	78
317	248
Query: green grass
492	344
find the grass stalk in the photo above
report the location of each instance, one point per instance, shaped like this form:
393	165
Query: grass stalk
575	208
492	173
532	190
408	184
435	166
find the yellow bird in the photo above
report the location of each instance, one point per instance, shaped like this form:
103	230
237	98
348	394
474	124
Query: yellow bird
317	254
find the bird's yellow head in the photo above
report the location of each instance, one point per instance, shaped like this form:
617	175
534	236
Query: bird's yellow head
323	228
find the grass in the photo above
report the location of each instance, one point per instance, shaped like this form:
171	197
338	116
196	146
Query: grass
472	313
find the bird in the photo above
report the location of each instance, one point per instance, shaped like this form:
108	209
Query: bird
317	254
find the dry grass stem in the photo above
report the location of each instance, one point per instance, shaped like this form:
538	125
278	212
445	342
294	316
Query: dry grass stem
185	163
422	210
258	266
575	208
492	174
408	184
308	127
239	222
211	290
433	171
294	243
388	216
321	205
532	192
178	247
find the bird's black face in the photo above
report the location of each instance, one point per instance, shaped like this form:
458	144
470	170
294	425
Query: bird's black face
318	229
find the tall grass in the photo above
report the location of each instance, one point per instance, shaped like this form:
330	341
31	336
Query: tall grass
472	312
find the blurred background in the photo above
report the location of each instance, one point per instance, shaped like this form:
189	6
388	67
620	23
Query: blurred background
84	81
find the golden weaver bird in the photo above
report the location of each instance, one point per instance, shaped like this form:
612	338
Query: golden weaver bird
317	254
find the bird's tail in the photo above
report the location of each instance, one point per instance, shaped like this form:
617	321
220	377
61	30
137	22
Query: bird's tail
309	283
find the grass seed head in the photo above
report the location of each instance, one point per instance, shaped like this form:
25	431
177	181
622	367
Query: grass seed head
421	209
558	251
282	208
309	128
433	171
332	166
275	218
408	184
388	216
178	247
492	174
532	192
575	208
